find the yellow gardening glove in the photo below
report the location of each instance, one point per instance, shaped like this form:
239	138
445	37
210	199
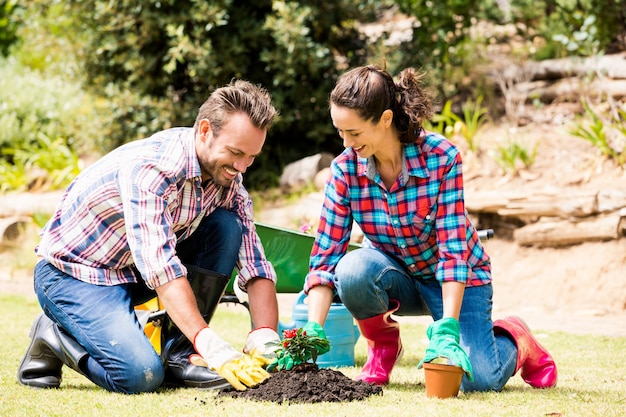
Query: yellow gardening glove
262	344
238	369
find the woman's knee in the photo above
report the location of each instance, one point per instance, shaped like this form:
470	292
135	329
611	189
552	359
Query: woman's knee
487	377
353	266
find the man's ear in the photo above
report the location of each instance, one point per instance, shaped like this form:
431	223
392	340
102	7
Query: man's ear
204	129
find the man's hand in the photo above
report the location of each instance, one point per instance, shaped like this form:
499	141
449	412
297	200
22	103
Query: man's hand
444	336
262	344
238	369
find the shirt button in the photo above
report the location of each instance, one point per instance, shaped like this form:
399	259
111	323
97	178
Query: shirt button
428	217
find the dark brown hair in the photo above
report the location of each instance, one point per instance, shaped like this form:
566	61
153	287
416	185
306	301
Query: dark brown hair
370	90
238	97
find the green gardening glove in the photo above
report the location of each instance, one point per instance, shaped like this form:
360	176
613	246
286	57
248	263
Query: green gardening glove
314	329
283	361
444	336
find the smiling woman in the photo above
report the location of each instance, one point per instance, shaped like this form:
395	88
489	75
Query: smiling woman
403	186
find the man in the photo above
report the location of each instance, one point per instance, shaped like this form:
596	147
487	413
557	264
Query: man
165	216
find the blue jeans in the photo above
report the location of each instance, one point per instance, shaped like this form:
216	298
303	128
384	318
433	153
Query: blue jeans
366	279
102	318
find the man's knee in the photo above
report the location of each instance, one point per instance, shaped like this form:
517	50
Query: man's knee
142	375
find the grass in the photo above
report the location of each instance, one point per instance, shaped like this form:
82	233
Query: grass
592	382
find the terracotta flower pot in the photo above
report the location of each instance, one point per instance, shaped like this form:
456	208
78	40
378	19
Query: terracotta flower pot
442	381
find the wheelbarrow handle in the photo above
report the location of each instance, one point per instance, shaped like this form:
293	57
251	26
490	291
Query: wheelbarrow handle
485	234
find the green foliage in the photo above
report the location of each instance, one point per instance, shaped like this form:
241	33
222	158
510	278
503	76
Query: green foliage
9	24
439	40
444	121
474	117
449	124
46	164
583	28
39	117
583	40
607	134
299	347
515	156
166	51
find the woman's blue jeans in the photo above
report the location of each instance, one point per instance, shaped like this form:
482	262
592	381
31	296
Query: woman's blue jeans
366	279
102	318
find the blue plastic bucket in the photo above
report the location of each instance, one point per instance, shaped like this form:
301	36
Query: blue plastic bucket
340	330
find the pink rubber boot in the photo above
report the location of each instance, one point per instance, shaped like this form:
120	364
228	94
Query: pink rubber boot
384	347
538	367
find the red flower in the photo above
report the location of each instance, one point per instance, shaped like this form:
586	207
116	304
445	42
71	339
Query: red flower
290	333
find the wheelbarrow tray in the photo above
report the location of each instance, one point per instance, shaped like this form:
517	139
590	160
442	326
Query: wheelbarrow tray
289	252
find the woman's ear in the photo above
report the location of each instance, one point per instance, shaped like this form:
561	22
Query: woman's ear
387	118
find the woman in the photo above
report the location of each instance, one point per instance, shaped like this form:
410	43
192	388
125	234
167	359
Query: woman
421	254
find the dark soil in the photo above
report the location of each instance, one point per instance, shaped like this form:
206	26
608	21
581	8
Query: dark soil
308	384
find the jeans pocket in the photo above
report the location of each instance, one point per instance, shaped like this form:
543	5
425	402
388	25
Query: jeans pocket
47	278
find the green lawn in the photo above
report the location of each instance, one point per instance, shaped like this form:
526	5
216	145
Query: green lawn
592	382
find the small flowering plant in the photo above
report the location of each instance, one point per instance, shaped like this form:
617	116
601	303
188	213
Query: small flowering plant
307	228
297	348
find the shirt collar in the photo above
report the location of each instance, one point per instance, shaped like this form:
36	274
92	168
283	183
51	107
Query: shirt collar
413	164
193	165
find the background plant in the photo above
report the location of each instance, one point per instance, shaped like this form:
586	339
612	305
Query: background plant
515	156
144	65
40	119
607	133
449	124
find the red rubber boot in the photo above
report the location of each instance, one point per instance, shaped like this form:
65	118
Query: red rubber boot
384	347
538	367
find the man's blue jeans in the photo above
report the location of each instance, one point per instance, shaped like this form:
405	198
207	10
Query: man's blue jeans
366	279
102	318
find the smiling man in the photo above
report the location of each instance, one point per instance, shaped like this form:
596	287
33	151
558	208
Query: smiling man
165	216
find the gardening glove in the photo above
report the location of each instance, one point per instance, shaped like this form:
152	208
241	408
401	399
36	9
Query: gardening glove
283	361
262	344
314	329
444	336
238	369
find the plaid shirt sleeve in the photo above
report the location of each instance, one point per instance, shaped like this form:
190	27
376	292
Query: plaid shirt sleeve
145	191
252	262
333	233
450	225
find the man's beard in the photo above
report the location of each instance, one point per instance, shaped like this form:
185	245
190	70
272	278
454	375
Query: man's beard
216	174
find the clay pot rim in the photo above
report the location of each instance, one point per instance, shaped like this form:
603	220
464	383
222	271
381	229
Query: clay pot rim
443	367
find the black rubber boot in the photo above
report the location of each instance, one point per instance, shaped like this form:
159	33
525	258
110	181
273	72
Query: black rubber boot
208	287
50	348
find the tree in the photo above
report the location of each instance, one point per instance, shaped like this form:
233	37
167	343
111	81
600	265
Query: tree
156	60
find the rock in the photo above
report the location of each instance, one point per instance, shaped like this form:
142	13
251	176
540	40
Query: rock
301	173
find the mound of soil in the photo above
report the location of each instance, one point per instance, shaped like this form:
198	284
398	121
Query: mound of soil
308	384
